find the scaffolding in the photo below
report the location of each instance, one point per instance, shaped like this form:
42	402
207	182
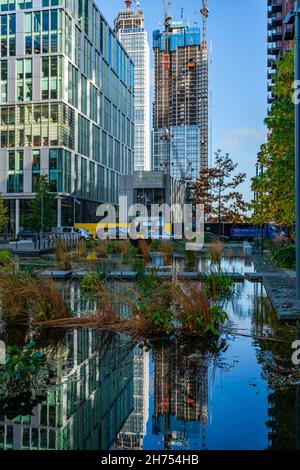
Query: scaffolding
181	84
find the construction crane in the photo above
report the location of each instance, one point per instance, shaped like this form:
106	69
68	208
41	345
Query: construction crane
204	85
205	15
128	3
168	14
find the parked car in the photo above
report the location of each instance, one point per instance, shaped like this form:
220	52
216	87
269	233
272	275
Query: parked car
26	234
211	237
73	232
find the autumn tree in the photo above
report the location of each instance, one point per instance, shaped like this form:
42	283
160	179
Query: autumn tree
41	215
3	214
275	184
216	191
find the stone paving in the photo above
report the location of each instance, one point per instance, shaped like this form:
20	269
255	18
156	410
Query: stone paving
280	286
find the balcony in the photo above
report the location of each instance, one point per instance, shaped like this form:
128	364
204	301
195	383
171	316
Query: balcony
288	34
274	50
271	64
274	36
271	74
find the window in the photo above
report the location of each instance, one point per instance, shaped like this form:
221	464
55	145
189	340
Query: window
8	35
24	79
36	169
3	81
15	172
51	77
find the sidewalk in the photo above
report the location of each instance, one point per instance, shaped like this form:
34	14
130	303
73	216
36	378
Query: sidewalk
280	286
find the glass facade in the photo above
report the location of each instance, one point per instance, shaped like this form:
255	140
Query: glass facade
66	101
130	28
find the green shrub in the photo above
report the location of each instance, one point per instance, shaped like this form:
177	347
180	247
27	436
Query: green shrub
286	257
219	286
90	282
156	246
148	282
5	259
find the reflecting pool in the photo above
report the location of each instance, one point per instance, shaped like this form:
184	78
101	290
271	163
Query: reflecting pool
106	391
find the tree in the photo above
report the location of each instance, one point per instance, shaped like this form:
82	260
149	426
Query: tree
275	185
42	215
215	190
3	214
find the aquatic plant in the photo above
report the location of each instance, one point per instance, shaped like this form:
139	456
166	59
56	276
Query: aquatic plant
81	248
144	250
216	252
131	255
195	311
26	297
90	283
168	249
219	286
101	250
156	246
63	254
148	281
7	263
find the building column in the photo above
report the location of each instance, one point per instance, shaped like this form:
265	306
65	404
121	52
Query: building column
17	221
59	212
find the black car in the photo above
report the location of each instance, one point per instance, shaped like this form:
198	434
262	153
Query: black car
26	234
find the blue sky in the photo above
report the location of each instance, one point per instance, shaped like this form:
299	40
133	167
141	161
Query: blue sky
237	33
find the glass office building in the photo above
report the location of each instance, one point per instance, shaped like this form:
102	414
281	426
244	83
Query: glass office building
66	106
130	27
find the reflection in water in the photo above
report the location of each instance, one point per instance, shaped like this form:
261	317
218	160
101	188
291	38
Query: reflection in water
131	436
180	394
109	393
279	373
89	401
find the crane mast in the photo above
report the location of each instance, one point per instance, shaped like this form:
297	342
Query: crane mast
204	89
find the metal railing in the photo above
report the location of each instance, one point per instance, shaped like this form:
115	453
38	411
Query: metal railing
38	242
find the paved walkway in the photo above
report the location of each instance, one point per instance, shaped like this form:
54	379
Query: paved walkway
280	286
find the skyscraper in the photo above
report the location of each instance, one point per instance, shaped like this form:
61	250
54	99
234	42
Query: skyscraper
130	28
181	103
280	37
66	107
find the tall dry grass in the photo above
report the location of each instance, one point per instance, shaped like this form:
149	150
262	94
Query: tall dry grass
30	298
216	251
144	249
168	249
101	250
63	254
191	306
81	248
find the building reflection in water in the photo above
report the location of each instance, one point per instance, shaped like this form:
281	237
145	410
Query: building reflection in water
133	432
180	394
89	402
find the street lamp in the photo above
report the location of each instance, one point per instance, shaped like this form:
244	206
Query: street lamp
294	17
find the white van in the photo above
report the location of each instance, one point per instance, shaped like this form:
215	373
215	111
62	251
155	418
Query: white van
80	232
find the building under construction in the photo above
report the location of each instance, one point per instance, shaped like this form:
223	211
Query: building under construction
180	114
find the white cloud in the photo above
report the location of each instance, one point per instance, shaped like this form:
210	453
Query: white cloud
236	138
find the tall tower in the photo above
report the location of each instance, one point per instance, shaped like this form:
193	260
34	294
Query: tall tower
180	122
130	28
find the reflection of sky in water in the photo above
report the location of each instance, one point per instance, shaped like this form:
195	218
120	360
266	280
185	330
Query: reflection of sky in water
177	396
